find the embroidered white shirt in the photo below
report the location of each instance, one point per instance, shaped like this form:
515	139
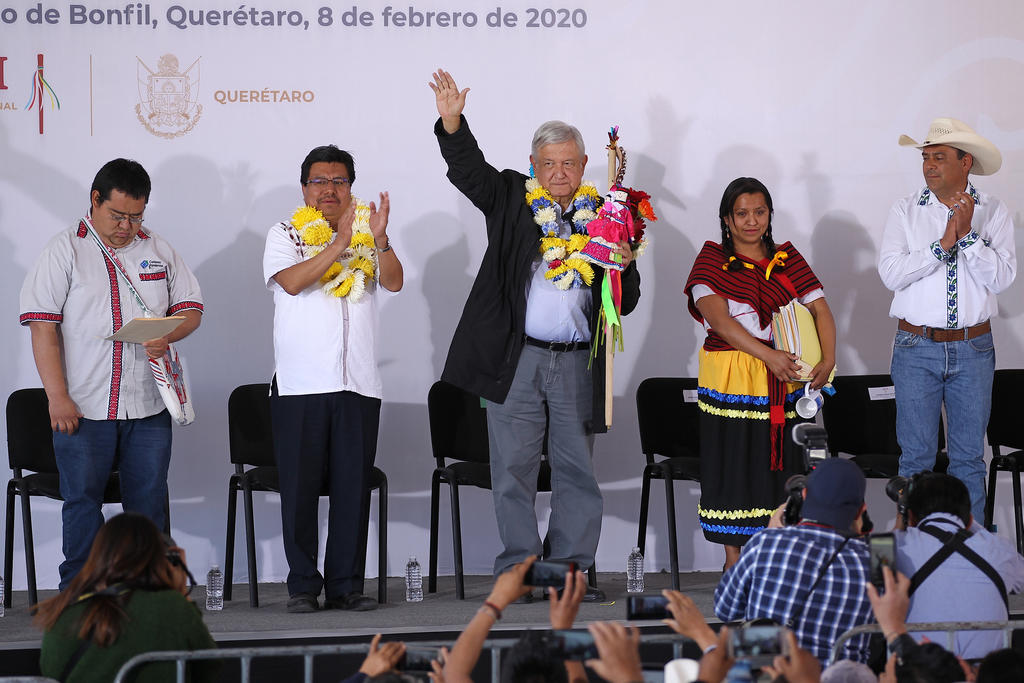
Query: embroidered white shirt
322	343
946	289
72	284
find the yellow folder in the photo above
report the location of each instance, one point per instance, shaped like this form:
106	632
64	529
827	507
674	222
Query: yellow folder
794	331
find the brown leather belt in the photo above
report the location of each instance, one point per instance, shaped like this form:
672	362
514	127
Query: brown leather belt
940	334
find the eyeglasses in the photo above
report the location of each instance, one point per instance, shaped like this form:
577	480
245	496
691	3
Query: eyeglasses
122	217
322	183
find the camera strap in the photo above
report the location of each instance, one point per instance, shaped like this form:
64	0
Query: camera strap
791	621
956	543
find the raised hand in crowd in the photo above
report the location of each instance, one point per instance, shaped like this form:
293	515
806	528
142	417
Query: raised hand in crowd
437	675
715	664
799	666
618	648
507	588
382	658
687	620
450	100
891	607
562	613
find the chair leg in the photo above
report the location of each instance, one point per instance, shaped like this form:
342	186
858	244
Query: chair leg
435	494
1017	511
990	500
9	545
30	552
670	511
167	513
382	544
460	587
592	575
645	501
229	538
250	545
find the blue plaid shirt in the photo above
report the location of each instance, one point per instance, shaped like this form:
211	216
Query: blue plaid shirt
777	569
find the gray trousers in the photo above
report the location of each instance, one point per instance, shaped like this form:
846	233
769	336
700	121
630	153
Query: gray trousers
516	436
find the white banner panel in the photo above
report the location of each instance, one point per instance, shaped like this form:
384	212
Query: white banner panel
221	102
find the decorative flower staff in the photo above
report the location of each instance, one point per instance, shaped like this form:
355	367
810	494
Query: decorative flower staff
620	219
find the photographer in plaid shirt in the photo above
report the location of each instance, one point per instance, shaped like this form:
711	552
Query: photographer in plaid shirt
812	576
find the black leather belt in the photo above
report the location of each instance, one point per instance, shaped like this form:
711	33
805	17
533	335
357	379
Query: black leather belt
558	346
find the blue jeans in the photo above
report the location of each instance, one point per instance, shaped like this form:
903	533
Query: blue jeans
139	449
927	374
515	432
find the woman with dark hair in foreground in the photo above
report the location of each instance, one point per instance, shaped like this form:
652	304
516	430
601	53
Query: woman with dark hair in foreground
129	598
746	387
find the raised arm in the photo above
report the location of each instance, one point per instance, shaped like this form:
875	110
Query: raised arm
450	100
390	275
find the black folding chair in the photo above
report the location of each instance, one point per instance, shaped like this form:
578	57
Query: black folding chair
251	444
668	418
30	449
861	421
1006	430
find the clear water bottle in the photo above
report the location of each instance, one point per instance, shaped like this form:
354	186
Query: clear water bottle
635	572
413	581
214	589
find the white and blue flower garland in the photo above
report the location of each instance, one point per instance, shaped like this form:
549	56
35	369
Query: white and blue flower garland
565	269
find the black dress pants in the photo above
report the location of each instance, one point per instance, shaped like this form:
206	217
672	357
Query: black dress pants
325	444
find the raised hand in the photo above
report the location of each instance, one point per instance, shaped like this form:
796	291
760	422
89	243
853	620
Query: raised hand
449	99
379	218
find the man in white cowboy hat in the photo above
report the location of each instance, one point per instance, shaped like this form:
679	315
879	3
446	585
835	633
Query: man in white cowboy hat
946	252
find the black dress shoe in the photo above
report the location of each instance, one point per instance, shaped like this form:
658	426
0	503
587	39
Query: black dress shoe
301	603
353	602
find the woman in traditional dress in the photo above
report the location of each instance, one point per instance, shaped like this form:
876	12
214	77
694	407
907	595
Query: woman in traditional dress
747	388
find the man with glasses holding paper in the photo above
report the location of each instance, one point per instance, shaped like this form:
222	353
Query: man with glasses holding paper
105	408
326	267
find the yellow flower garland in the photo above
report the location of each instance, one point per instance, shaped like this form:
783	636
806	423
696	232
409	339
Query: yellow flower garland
565	268
357	265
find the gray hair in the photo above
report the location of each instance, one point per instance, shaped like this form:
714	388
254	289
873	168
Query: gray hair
554	132
848	671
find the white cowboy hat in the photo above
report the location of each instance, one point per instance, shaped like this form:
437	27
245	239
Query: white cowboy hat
957	134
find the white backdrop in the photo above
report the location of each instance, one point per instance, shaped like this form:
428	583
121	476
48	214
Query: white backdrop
808	96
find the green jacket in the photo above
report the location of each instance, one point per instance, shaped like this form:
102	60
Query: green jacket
157	620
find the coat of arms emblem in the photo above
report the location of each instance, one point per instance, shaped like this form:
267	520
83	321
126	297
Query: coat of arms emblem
167	104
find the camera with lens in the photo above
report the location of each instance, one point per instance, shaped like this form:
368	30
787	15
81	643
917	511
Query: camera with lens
813	440
897	488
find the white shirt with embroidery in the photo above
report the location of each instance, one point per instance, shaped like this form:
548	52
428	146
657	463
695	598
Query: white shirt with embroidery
322	343
74	285
943	289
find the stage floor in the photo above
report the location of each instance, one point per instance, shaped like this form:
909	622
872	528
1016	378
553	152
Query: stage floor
440	613
436	618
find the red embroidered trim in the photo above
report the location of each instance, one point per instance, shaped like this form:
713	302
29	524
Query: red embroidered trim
116	356
82	230
183	305
149	277
142	235
40	317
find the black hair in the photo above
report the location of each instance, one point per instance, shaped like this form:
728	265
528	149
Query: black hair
733	190
530	661
328	154
125	175
960	154
1001	666
930	492
929	663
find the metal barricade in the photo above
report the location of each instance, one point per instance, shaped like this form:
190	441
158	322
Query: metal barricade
246	655
950	627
